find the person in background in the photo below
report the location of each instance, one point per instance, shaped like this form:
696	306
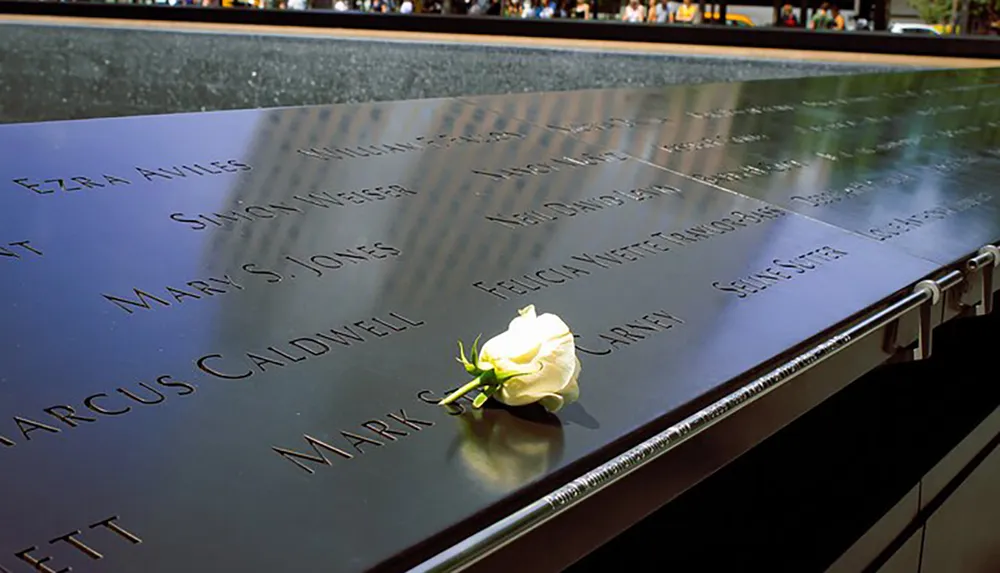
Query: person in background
821	19
406	7
836	19
581	10
687	13
659	13
634	12
787	18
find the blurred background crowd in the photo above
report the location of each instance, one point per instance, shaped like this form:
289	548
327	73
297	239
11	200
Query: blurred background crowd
924	17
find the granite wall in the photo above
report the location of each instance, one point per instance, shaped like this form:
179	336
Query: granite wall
71	72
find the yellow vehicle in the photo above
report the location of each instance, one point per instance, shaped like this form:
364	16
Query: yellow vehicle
738	20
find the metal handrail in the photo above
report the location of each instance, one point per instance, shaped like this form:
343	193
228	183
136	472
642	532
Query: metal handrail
489	540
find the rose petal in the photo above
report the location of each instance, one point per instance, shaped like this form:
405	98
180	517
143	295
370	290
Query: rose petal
510	346
552	402
541	351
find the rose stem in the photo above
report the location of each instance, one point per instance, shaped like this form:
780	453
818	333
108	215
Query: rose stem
472	385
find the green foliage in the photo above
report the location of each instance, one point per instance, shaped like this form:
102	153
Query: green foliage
981	12
933	11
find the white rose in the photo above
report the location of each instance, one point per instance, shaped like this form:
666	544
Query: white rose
534	361
539	352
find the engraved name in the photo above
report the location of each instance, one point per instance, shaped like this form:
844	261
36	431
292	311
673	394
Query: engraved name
714	142
952	165
723	113
316	265
902	225
169	173
656	243
628	333
441	141
297	205
304	347
198	169
851	190
937	110
554	165
610	123
839	101
844	124
887	146
119	402
357	441
876	149
98	535
780	271
553	210
209	287
749	171
19	250
320	264
69	184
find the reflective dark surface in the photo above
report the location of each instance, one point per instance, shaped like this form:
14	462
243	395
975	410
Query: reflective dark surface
238	243
900	158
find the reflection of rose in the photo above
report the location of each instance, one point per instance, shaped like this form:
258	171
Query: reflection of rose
505	452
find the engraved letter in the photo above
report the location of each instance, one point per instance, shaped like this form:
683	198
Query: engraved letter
594	352
26	426
25	245
69	417
299	343
357	440
260	361
89	402
342	338
180	294
88	551
216	373
380	428
143	303
132	396
406	320
24	182
38	564
319	458
110	524
492	290
411	422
